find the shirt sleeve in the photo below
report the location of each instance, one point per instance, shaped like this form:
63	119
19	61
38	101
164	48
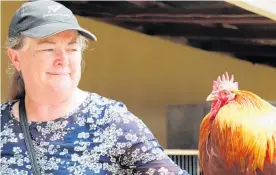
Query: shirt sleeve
142	153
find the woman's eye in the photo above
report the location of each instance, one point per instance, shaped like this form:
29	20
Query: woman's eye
48	50
73	50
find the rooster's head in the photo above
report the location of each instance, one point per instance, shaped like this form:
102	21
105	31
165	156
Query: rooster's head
224	91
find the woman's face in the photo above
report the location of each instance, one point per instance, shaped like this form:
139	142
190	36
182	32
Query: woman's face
50	64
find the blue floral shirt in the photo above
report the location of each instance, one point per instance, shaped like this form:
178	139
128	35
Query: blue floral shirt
100	137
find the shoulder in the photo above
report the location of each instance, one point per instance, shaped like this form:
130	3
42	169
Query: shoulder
5	113
106	104
100	100
5	107
112	111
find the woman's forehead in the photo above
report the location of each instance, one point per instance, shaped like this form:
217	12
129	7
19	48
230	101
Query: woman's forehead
63	37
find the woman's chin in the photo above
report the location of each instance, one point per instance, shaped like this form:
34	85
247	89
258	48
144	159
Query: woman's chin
62	86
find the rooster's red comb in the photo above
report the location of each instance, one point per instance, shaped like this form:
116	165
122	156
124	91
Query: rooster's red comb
225	83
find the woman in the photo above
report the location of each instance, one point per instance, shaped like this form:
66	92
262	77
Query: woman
70	131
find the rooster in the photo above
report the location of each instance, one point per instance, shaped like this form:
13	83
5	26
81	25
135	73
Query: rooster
238	135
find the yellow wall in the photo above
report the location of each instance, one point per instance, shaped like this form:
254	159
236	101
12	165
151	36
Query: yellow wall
148	73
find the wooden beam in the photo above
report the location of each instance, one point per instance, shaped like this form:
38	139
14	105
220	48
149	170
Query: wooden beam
149	3
250	41
253	42
216	19
265	60
186	152
265	8
199	31
168	7
235	48
194	15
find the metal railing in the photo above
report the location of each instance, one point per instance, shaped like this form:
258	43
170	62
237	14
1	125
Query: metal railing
186	159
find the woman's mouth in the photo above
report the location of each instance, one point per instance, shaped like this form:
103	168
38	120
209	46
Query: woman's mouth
57	73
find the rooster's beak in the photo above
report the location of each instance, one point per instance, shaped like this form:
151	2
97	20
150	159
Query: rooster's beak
210	97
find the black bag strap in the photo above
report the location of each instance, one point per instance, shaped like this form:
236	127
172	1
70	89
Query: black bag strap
27	136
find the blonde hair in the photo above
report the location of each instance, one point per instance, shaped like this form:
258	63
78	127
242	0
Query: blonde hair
17	86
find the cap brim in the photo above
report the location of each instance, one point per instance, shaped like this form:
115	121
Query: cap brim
47	30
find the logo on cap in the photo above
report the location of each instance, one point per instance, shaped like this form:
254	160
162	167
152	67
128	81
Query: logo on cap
53	8
52	11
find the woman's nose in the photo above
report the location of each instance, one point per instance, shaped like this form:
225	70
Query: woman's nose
62	59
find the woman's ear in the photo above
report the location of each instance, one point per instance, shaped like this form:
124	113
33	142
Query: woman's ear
14	57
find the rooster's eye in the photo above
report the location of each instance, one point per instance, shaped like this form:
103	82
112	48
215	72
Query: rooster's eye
225	93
